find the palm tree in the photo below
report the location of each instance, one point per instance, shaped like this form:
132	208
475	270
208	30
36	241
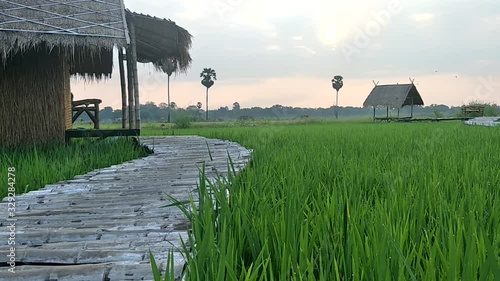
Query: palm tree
337	83
209	76
169	66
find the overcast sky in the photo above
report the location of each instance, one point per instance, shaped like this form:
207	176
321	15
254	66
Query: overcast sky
287	52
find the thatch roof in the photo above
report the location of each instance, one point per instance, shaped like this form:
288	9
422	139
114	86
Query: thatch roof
87	29
159	40
394	96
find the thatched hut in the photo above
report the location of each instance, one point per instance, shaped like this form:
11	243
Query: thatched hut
43	42
393	96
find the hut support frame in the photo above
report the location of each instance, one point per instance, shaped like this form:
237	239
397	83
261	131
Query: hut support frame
387	116
133	48
130	86
123	88
411	113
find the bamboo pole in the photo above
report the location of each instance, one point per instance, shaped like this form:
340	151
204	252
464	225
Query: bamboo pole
133	46
130	90
123	88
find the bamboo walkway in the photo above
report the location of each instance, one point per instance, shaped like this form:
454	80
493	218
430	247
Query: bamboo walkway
101	225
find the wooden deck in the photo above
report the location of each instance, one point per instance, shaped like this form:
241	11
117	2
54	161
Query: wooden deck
101	225
102	134
409	119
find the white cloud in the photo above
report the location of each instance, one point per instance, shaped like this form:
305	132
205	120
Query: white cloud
273	48
271	34
189	15
329	20
194	10
306	49
248	20
492	20
423	17
484	62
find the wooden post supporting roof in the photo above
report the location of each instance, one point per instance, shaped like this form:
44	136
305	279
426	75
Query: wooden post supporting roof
133	47
130	81
411	108
123	88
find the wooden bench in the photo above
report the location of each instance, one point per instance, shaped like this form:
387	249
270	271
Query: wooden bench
89	106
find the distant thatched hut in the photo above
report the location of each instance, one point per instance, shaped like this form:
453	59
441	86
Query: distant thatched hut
393	96
43	42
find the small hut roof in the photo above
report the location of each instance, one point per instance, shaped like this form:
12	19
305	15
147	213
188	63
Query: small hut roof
86	28
394	96
159	40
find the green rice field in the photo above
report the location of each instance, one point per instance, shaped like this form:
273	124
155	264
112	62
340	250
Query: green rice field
352	201
326	200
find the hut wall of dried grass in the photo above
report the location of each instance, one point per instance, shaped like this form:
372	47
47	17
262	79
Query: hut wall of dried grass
32	98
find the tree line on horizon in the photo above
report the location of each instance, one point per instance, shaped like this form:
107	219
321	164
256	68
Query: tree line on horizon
151	112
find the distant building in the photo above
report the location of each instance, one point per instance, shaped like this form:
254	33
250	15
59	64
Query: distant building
393	96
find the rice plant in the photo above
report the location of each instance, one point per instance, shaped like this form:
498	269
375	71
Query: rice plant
37	166
352	202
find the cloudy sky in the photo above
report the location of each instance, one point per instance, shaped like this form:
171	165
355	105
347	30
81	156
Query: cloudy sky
286	52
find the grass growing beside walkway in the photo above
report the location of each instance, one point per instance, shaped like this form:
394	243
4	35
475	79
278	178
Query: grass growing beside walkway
37	166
